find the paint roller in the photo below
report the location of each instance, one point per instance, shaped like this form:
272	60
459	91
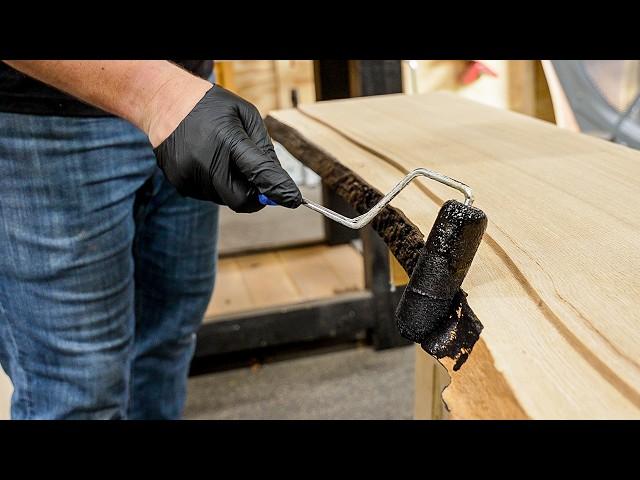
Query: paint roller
433	291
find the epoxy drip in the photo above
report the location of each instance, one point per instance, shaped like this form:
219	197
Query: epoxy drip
457	334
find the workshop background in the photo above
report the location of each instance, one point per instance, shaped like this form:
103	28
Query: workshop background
317	340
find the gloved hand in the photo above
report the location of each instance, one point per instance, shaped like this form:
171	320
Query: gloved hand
221	152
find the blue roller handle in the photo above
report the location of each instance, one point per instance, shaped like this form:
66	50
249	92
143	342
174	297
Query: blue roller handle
264	200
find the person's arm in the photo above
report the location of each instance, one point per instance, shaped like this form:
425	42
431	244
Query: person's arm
154	95
210	143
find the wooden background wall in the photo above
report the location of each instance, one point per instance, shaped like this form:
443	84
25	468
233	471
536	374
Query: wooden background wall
268	83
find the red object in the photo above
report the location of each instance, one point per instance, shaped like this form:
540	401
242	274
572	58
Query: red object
474	70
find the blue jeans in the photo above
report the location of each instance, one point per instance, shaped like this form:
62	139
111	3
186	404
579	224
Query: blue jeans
105	271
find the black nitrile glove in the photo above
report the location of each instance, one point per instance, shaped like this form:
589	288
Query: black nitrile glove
221	152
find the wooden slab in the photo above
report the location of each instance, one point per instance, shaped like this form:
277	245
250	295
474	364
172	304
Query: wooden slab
555	280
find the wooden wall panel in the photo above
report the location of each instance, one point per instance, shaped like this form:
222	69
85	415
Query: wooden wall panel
268	83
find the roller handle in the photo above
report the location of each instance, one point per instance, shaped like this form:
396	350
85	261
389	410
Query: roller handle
264	200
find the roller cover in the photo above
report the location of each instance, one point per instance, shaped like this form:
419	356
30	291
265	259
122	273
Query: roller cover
444	261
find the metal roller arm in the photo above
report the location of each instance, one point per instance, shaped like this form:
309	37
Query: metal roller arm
364	219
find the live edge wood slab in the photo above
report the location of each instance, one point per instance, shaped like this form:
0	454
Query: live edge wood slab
555	282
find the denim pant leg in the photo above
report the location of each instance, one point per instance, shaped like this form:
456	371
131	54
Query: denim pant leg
67	190
83	205
175	253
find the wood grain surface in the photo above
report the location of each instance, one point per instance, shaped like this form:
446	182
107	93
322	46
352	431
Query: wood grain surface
555	280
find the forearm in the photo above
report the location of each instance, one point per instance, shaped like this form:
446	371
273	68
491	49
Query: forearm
154	95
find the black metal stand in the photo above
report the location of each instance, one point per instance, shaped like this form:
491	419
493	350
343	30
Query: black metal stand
385	296
342	316
334	233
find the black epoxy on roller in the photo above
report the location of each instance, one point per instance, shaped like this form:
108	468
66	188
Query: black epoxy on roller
456	335
433	310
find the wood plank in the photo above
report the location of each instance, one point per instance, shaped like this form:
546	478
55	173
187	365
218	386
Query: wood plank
255	281
398	275
309	272
554	281
230	293
348	266
267	280
430	380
